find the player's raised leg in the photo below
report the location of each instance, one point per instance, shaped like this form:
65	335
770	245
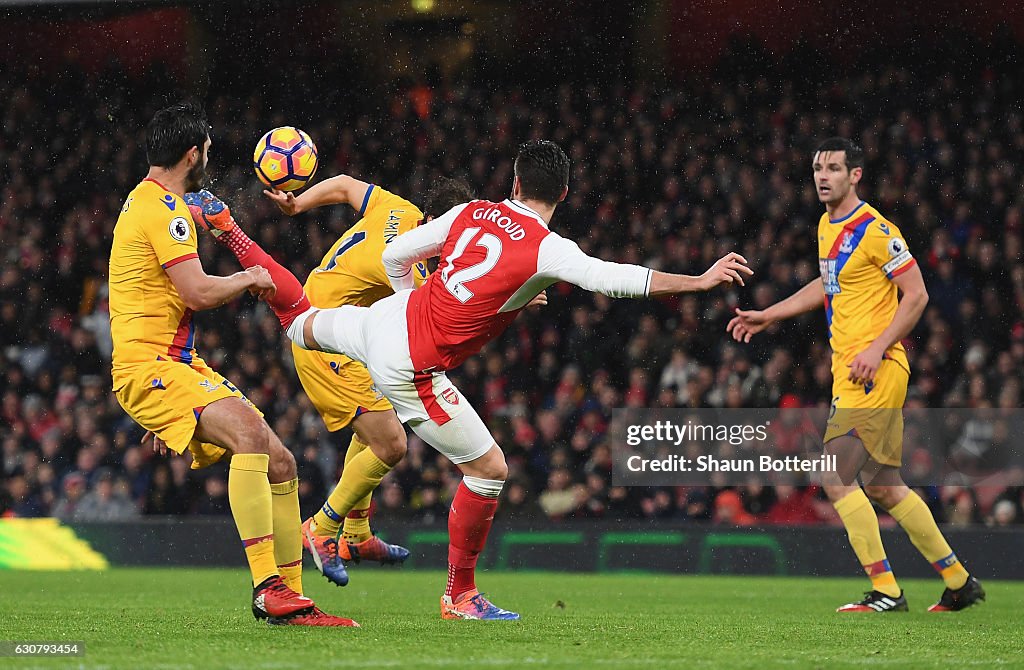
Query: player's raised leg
861	525
887	488
211	213
364	471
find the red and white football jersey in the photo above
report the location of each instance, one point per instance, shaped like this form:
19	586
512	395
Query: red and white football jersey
494	259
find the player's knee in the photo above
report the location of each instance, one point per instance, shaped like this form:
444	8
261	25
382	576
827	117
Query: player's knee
282	466
886	496
836	491
876	494
250	437
500	472
282	462
391	449
494	466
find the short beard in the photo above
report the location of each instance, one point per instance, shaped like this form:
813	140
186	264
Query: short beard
196	178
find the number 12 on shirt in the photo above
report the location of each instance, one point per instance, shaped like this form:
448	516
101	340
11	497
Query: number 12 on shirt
456	281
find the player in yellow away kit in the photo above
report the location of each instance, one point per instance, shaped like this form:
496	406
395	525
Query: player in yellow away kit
351	273
156	283
865	265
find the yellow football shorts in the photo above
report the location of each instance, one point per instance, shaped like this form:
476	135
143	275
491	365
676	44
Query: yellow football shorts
339	387
874	412
167	397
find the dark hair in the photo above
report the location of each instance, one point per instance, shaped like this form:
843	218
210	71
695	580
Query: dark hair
854	154
444	194
173	131
543	170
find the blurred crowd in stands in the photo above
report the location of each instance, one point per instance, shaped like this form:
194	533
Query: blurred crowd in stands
669	177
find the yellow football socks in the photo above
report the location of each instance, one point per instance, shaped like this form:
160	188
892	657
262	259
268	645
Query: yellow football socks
287	533
362	474
915	517
357	522
328	521
250	499
862	527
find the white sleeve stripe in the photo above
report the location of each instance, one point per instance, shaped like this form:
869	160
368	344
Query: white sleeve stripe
560	259
897	262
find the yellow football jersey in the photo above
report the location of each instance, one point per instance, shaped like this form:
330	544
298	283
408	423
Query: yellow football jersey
148	319
859	254
351	273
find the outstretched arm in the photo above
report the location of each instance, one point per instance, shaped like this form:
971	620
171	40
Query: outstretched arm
561	259
339	190
748	323
726	270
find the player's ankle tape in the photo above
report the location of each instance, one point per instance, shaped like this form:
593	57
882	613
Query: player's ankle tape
330	513
488	488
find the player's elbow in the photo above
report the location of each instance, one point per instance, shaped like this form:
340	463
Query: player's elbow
918	297
342	189
198	298
200	305
193	300
394	267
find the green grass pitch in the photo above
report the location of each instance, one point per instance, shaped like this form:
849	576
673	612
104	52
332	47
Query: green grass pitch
177	618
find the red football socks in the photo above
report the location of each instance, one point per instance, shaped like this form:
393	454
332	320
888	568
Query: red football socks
469	522
289	301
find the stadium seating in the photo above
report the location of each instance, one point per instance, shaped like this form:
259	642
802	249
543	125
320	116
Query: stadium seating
667	178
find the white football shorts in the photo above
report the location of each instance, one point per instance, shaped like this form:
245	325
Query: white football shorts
378	336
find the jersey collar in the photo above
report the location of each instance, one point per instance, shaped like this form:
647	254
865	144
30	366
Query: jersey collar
515	204
156	182
852	212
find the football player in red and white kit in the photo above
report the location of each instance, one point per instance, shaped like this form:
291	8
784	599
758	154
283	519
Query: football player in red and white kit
495	257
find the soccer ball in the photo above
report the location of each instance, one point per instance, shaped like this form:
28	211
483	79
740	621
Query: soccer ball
285	158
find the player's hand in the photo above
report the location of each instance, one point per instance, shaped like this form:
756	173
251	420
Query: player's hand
726	270
865	365
285	202
210	212
263	286
158	445
747	323
539	300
